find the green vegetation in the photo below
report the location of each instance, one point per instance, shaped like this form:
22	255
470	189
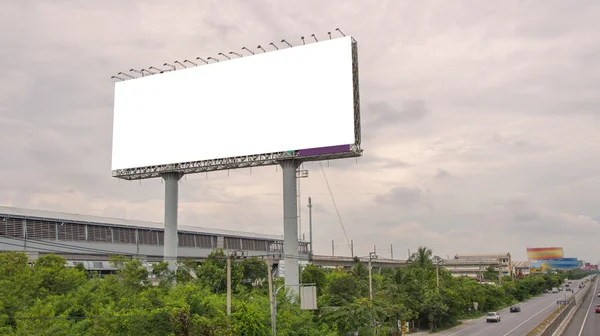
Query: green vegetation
49	298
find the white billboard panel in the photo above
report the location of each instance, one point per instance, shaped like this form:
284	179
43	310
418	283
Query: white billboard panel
292	99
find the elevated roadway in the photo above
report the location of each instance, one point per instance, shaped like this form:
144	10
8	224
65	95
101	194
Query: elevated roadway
533	312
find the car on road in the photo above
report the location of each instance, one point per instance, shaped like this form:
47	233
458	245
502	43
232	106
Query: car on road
515	309
597	308
598	294
492	317
546	291
554	290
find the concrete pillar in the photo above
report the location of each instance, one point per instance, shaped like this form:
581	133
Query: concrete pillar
290	225
171	202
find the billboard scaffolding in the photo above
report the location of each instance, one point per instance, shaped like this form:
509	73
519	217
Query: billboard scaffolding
283	107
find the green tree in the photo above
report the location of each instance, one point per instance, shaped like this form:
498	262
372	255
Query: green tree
422	258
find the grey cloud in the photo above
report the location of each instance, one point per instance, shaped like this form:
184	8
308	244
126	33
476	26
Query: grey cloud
522	211
405	197
368	160
441	174
514	79
381	114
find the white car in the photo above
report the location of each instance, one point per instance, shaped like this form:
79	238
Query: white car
598	294
492	317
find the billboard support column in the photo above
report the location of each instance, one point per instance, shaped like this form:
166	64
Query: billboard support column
171	203
290	225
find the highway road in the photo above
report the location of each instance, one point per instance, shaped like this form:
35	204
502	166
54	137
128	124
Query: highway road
533	312
586	322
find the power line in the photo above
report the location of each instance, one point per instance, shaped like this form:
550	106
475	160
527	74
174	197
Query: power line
334	204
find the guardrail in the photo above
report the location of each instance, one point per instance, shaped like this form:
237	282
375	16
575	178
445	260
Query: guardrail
565	324
556	323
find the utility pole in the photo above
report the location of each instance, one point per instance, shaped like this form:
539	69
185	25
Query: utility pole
310	226
500	271
300	174
270	277
437	276
229	285
332	249
352	247
391	252
372	255
438	261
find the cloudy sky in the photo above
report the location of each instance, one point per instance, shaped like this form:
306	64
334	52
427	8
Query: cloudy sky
480	119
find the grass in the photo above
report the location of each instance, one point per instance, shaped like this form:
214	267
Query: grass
540	327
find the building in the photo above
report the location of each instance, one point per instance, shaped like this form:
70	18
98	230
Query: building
521	267
92	239
474	265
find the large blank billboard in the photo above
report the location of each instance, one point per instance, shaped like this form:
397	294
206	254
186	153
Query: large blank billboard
298	98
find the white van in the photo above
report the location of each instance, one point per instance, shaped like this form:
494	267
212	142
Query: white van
554	290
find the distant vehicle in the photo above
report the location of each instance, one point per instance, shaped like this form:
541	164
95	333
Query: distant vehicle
554	290
492	317
546	291
597	308
569	289
598	294
515	309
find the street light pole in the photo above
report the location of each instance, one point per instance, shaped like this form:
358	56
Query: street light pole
372	255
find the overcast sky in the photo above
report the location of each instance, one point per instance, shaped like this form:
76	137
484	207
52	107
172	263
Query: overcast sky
480	119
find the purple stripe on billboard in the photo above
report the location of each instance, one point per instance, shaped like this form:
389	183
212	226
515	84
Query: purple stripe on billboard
324	150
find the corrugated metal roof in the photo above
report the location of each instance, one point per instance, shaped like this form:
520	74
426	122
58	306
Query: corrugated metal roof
482	256
520	263
78	218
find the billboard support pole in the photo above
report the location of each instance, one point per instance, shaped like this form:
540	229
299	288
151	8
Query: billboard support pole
290	224
171	203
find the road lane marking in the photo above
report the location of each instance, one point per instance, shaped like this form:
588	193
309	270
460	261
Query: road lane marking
541	311
588	311
458	332
521	303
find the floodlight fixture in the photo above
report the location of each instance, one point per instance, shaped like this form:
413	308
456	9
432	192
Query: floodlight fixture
183	65
338	29
137	71
171	65
221	54
313	35
329	33
273	44
303	42
117	77
203	60
148	71
286	42
212	58
188	61
261	48
124	74
248	50
159	70
236	54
